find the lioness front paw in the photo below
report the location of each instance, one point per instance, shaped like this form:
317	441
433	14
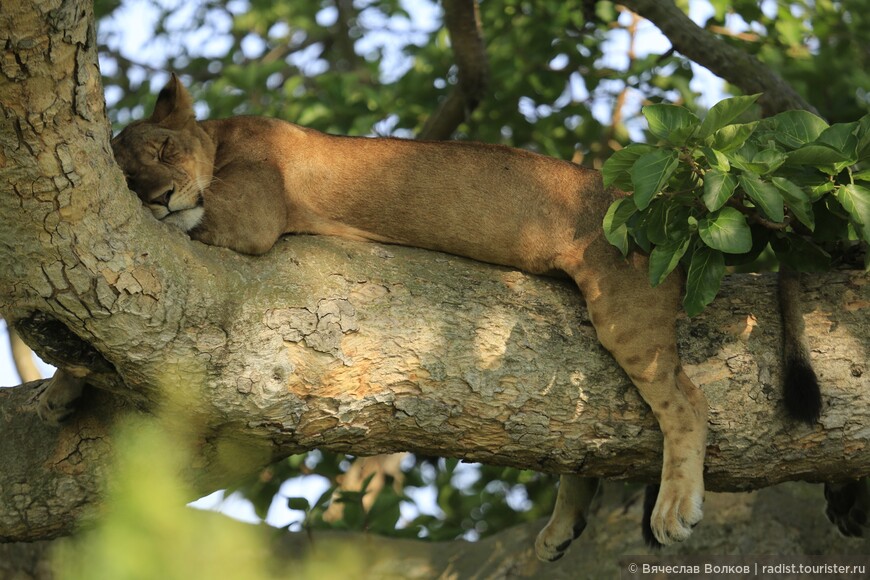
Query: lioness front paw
58	396
678	509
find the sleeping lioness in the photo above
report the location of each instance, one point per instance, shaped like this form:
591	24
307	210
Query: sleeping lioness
243	182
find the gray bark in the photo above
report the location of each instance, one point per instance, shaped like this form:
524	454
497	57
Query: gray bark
370	349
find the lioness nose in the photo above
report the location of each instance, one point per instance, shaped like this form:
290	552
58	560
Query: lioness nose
164	198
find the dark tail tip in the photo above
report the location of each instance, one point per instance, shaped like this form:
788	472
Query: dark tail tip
649	502
802	397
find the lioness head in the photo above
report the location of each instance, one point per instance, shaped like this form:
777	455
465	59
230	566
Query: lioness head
168	159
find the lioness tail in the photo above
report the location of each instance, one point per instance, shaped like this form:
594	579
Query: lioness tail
802	398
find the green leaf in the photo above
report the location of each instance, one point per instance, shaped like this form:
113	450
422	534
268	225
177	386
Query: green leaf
616	169
718	188
703	279
726	231
832	221
353	514
666	220
615	229
760	240
796	128
764	194
800	254
770	159
385	511
650	173
624	209
716	159
325	498
760	162
723	113
855	199
641	239
817	155
817	192
664	258
842	137
862	175
298	503
672	123
797	200
732	137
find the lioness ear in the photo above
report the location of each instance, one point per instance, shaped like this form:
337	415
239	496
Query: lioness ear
174	105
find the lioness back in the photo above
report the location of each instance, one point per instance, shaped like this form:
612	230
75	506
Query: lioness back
487	202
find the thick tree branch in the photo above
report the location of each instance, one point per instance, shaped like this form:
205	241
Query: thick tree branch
729	62
369	349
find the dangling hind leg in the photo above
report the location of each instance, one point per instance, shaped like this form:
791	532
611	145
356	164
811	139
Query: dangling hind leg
636	323
848	506
570	515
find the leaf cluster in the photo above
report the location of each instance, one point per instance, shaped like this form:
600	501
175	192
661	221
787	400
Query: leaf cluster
717	192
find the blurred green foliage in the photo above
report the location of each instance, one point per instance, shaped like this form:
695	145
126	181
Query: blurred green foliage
144	532
566	78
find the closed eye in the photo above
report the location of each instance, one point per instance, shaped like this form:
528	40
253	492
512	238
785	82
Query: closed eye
165	151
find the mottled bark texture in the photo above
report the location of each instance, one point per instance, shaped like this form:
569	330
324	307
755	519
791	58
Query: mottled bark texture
371	349
348	347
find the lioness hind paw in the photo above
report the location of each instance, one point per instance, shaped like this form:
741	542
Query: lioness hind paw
847	506
58	396
54	415
553	541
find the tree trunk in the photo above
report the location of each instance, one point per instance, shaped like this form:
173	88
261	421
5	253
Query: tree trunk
342	346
